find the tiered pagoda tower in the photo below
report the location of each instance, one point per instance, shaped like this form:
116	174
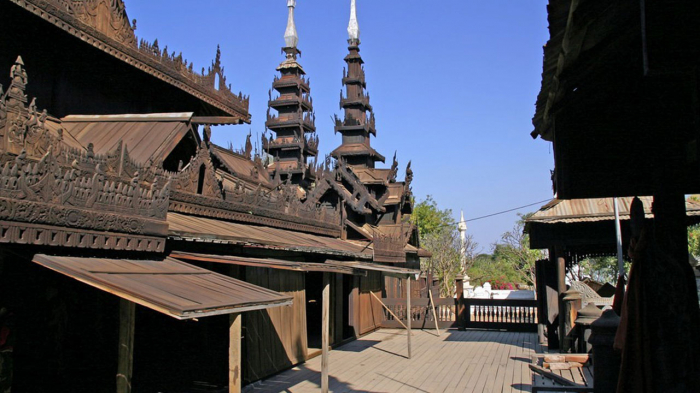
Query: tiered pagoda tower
294	129
358	124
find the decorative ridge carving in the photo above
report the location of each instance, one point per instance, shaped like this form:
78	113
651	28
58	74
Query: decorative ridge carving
277	207
199	176
44	181
104	24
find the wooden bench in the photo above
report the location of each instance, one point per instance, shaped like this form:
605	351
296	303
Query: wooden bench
576	379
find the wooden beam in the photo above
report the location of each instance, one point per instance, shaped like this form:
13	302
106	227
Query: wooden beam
235	376
216	120
408	313
432	307
325	318
125	365
388	309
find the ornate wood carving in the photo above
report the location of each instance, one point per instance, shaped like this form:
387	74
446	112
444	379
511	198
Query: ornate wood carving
389	246
44	182
187	180
106	16
279	207
105	25
389	249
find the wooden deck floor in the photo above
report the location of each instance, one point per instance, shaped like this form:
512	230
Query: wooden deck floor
471	361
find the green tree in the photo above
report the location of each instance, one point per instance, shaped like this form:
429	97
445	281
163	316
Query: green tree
511	261
438	234
694	233
429	218
601	269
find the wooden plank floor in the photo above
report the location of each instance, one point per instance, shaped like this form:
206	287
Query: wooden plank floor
471	361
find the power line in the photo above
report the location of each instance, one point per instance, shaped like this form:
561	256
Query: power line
507	211
499	213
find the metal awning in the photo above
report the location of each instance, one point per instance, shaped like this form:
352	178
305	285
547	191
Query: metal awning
268	263
172	287
393	271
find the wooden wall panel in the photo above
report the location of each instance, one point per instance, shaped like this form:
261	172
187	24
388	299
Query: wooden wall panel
370	309
276	338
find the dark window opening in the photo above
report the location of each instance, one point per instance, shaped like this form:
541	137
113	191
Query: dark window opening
200	184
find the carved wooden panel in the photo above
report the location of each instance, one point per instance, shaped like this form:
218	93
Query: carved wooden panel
45	182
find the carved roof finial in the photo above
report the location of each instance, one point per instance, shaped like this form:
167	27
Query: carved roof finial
353	26
291	38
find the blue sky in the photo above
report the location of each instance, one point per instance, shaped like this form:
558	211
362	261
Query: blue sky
453	84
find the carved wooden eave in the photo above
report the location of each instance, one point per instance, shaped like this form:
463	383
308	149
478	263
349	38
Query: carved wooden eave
104	24
52	194
279	207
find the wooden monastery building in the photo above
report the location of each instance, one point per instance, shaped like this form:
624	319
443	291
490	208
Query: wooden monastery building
619	102
137	255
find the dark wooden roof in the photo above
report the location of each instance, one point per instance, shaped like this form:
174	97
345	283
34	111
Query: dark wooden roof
169	286
387	270
373	175
616	91
266	263
109	29
147	137
240	167
207	230
357	149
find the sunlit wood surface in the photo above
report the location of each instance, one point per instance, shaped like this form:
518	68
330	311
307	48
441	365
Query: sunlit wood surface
471	361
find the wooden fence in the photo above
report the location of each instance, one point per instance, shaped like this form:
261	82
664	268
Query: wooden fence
512	315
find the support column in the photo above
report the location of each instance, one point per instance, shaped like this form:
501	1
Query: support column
408	313
561	288
461	318
125	367
235	377
325	318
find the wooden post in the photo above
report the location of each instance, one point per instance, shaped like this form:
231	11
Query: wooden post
324	331
125	367
234	354
459	307
408	313
561	288
354	308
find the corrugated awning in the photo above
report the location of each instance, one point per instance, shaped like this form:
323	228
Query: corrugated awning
171	287
267	263
387	270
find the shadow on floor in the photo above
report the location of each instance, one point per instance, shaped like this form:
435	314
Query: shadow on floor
288	381
522	387
357	345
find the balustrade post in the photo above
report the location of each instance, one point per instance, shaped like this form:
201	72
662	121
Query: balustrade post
586	316
606	362
460	317
572	303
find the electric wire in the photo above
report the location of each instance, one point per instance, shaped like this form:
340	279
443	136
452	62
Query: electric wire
507	211
498	213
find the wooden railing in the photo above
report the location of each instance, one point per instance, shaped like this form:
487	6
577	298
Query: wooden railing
512	315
